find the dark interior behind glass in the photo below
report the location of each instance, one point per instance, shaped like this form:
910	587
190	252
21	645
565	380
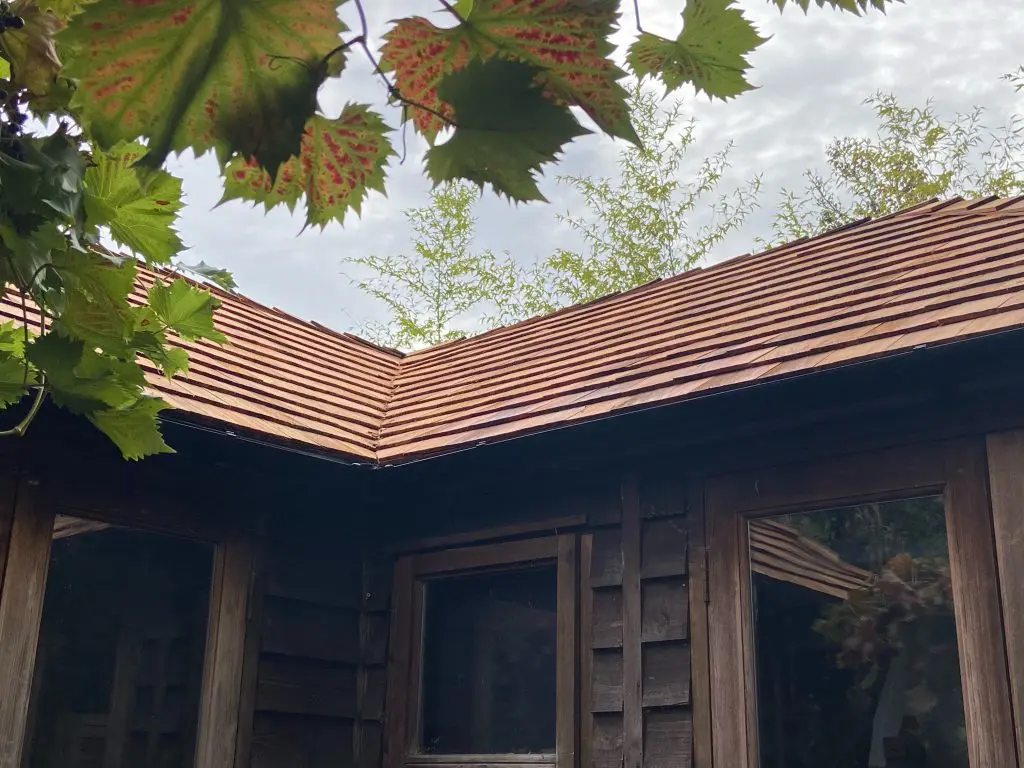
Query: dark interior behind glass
855	639
489	663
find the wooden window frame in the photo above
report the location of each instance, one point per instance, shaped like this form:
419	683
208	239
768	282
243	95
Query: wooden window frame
30	511
403	707
957	470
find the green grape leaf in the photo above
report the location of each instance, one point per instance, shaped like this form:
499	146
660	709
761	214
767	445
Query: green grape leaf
5	69
185	309
340	162
420	54
134	428
711	51
31	52
855	7
507	129
16	375
80	378
232	76
96	300
140	208
219	276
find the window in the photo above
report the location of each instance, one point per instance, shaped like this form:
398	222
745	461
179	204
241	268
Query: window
120	656
484	656
854	615
855	638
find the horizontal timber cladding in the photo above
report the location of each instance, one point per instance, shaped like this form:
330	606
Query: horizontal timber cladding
636	634
321	675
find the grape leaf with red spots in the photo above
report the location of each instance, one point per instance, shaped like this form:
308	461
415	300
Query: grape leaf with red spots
232	76
711	51
567	40
420	54
340	162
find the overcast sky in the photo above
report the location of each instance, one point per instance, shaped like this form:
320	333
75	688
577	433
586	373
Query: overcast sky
812	75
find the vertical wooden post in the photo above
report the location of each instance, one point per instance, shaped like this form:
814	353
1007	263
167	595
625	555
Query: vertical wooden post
979	626
632	664
586	644
566	689
21	609
223	672
1006	482
699	652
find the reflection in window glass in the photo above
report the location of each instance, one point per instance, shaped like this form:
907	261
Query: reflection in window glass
119	665
855	639
489	663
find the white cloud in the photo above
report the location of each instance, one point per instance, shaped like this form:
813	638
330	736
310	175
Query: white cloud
813	75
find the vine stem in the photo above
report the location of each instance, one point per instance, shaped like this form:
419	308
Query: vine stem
393	90
451	9
19	429
636	14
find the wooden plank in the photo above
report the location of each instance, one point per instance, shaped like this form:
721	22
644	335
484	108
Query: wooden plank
663	548
566	644
606	561
506	553
21	609
668	739
8	495
314	576
606	681
551	525
370	746
374	644
606	617
664	610
225	654
378	574
309	630
632	664
987	705
607	749
1006	483
399	662
698	625
586	652
289	741
298	687
666	675
374	693
843	479
726	621
251	654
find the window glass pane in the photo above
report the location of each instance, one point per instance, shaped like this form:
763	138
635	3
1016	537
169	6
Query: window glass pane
855	639
489	663
120	657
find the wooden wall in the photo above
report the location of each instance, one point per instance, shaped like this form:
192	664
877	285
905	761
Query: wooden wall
322	664
636	697
322	659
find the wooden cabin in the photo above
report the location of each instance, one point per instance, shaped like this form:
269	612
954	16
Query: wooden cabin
768	513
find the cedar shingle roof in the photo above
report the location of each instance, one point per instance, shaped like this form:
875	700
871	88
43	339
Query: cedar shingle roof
928	275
